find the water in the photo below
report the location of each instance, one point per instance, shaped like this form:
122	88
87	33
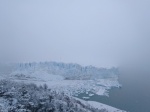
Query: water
134	96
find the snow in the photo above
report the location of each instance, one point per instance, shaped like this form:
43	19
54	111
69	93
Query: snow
102	91
38	76
3	105
91	94
71	79
31	98
103	106
86	98
69	87
100	106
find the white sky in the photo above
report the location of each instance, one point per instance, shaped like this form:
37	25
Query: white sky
89	32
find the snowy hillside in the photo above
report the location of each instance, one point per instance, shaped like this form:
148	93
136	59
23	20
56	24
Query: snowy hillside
19	97
70	79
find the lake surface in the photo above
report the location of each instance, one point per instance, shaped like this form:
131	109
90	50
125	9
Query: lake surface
134	96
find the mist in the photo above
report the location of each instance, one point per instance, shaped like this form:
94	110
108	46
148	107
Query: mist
99	33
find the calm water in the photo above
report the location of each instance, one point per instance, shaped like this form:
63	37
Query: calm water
134	96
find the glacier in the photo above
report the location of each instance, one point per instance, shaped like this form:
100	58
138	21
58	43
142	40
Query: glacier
72	79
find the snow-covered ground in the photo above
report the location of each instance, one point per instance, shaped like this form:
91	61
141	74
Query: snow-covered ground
100	106
70	87
72	79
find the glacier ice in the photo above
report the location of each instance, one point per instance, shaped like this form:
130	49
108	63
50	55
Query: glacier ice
72	79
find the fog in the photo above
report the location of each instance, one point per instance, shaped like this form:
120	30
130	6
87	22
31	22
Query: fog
102	33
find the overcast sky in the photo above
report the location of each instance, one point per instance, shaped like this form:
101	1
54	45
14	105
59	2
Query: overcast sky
89	32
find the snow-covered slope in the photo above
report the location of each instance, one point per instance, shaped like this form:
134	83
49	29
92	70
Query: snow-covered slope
71	79
20	97
100	106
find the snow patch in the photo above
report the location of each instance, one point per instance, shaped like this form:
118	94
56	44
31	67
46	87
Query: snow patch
100	106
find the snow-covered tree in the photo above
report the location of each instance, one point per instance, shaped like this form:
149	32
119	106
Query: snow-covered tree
19	97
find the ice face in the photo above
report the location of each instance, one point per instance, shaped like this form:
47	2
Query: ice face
72	79
70	71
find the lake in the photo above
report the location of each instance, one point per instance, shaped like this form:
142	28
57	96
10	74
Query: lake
134	96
